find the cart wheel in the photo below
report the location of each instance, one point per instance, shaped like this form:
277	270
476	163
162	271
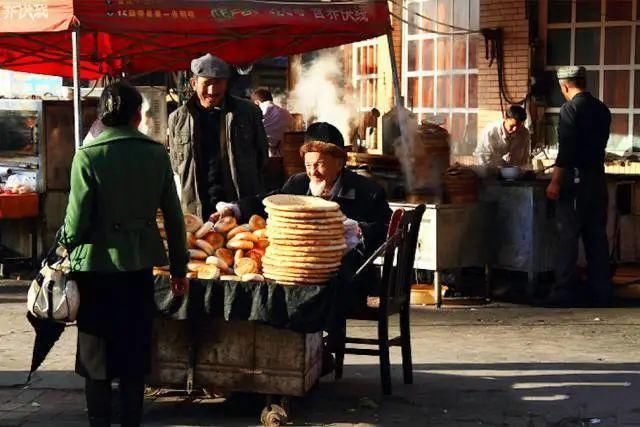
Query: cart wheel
285	404
273	416
152	391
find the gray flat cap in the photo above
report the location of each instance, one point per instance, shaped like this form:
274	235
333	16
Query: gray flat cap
210	66
572	73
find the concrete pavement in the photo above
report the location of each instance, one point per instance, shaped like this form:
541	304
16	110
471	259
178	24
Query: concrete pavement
500	365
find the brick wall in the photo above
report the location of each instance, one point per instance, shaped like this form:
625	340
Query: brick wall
510	15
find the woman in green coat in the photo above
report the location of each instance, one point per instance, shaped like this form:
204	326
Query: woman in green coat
118	182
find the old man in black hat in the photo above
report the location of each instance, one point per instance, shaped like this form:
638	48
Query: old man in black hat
580	189
361	199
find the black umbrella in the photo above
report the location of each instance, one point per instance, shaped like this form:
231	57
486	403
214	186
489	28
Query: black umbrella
47	333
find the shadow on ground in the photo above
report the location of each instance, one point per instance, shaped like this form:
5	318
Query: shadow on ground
509	394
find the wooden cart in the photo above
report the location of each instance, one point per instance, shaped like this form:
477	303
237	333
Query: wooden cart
236	356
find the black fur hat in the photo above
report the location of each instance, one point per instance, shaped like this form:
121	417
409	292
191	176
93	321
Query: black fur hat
324	132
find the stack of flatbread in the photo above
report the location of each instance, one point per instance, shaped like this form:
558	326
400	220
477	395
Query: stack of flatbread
306	239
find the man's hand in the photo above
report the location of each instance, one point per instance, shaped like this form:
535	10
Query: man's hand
217	216
352	234
179	286
553	190
223	209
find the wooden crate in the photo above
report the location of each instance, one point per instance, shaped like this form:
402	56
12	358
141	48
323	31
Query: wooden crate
236	356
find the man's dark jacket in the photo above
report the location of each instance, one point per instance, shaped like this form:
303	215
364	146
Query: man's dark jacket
361	199
243	138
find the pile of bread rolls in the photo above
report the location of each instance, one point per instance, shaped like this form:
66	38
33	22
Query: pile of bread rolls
224	250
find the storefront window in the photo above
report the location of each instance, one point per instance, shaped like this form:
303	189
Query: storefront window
618	10
446	82
602	36
366	78
586	10
587	46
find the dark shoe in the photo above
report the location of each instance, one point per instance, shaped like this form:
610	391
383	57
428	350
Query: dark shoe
334	341
328	362
99	422
558	300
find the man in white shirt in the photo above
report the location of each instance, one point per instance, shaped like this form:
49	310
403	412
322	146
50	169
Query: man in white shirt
276	120
506	142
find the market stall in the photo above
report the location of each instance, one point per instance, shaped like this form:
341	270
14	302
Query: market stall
89	39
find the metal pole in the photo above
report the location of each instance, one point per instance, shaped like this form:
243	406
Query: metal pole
403	117
77	99
394	71
437	286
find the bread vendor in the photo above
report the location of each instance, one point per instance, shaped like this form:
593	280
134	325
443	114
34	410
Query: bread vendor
361	199
217	143
506	142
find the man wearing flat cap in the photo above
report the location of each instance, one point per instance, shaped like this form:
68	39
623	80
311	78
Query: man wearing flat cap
580	189
217	142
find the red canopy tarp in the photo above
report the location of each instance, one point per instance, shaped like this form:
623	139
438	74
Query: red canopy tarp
139	36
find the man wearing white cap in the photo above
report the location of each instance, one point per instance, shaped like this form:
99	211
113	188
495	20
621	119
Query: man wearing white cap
217	142
580	189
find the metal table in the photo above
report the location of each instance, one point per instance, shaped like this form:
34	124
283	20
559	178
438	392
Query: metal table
523	231
451	236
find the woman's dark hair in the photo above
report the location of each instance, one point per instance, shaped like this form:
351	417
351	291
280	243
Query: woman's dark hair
119	104
263	94
516	112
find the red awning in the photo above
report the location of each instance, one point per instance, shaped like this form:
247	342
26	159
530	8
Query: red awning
139	36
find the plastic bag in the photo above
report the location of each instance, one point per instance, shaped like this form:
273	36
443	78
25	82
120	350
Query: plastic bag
352	234
21	184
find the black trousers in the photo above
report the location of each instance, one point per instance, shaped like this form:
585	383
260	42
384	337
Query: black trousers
114	339
131	393
581	213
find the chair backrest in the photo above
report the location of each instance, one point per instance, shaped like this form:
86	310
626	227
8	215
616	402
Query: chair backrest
394	223
399	257
407	251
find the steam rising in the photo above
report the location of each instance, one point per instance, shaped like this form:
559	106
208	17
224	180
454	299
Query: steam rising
404	144
320	94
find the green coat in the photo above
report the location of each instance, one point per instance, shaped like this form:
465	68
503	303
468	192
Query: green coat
118	181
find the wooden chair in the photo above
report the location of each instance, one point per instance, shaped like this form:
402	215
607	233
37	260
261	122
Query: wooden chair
398	253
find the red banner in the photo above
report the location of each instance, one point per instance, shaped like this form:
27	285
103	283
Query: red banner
137	36
26	16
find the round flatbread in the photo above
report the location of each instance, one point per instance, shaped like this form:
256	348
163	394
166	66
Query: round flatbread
300	242
300	281
307	249
284	234
274	231
308	258
307	221
274	213
294	203
311	274
275	251
278	262
305	226
296	263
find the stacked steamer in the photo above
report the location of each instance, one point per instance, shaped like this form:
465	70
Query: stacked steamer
306	239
